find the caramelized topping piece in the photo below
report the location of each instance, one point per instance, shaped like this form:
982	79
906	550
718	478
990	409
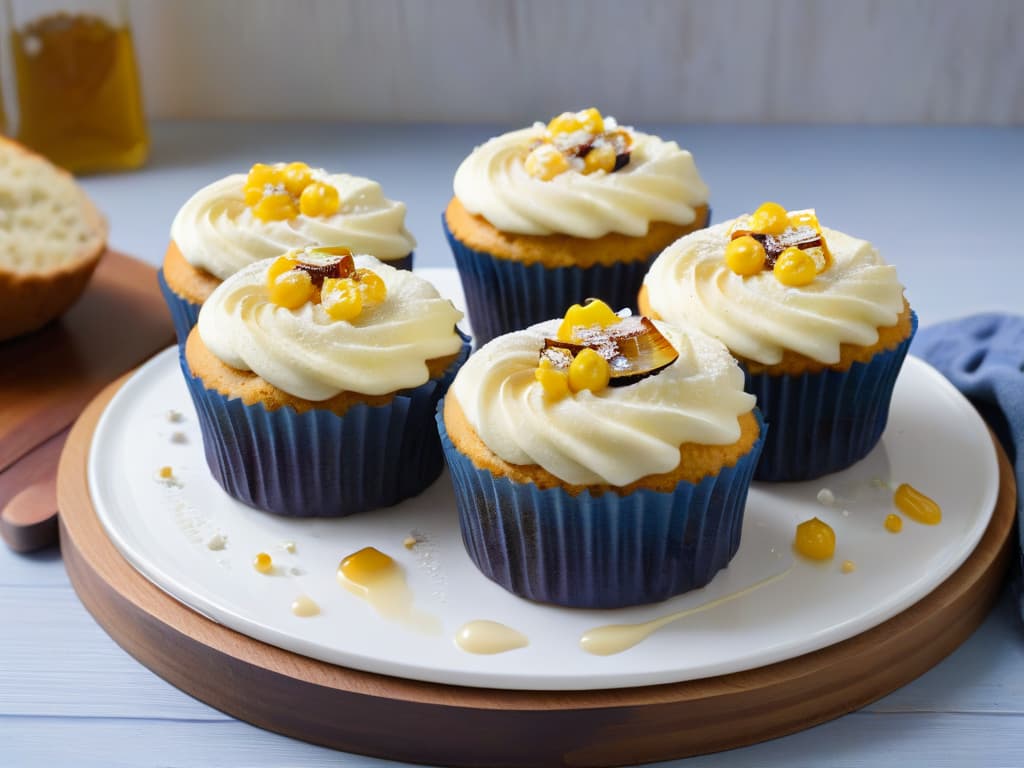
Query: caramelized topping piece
322	263
595	348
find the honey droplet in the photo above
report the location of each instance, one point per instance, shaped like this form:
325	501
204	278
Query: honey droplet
378	579
893	523
263	563
304	607
489	637
916	505
366	566
815	539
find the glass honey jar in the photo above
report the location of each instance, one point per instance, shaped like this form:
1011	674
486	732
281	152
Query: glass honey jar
78	100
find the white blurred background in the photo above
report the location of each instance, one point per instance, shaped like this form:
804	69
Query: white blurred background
823	61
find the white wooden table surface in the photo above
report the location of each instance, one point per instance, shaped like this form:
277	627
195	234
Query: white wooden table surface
941	203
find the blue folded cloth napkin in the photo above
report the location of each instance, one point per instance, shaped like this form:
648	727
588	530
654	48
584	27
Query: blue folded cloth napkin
983	355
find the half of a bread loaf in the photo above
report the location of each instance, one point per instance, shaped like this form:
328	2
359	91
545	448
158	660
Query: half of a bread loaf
51	237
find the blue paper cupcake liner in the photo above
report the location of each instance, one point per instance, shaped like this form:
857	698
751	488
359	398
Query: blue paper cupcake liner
185	314
503	295
824	422
319	464
599	551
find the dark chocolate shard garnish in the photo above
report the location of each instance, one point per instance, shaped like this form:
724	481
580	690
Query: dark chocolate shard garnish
634	349
621	160
799	237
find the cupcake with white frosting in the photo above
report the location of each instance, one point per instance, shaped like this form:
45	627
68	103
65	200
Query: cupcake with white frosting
600	460
316	376
554	214
244	218
816	318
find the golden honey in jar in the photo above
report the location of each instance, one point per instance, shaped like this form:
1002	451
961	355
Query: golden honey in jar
78	96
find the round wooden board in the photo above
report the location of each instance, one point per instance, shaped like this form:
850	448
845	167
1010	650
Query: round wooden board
450	725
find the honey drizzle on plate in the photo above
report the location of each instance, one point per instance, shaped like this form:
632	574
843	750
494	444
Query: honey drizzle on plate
377	578
616	638
489	637
915	505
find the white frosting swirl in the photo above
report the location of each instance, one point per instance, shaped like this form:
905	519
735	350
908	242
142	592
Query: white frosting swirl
216	231
613	437
758	317
660	183
307	354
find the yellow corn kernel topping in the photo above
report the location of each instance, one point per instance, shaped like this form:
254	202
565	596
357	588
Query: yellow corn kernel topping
594	312
260	175
277	193
291	289
554	381
341	298
804	218
296	177
600	158
366	565
276	206
278	267
319	199
769	219
815	539
263	563
893	523
588	370
916	505
567	122
371	287
545	162
795	268
589	120
745	256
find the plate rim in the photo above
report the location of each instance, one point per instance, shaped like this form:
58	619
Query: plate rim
261	632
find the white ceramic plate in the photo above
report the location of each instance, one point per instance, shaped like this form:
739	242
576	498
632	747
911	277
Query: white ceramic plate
935	441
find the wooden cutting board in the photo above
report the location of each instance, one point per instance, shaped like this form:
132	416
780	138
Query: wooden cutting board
48	377
421	722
